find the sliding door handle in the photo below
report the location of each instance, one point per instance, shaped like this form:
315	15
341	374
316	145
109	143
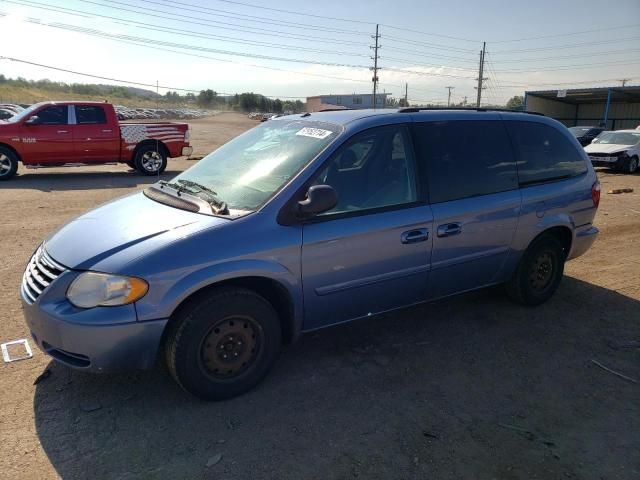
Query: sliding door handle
449	229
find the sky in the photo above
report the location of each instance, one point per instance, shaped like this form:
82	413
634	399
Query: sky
287	48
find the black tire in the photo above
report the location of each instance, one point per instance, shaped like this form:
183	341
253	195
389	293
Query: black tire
630	165
8	164
151	159
539	272
224	344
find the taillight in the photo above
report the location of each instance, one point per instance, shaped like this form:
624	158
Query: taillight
595	193
187	135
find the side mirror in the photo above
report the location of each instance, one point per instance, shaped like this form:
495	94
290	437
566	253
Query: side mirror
33	120
595	140
320	198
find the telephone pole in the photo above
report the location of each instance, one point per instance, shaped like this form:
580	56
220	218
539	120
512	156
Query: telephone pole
624	81
449	99
406	94
375	57
480	73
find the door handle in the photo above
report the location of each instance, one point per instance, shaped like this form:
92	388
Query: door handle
63	131
449	229
415	236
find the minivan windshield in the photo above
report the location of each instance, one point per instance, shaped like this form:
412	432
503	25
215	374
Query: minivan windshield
619	138
248	170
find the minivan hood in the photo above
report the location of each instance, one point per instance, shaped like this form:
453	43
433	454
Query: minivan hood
119	225
606	148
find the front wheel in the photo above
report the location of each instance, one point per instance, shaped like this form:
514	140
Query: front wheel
8	164
223	345
630	165
151	159
539	272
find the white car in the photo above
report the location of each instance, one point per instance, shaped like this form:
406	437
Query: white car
619	149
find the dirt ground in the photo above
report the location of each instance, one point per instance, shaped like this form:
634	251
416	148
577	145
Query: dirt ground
472	387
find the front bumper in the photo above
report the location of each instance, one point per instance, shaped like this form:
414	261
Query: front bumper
582	241
187	151
604	161
101	339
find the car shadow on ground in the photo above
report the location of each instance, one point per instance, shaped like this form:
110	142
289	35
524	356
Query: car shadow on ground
470	387
97	180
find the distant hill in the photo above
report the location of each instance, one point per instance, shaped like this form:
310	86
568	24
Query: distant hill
20	90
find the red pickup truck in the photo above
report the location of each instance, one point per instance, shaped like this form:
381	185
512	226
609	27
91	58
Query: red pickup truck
53	134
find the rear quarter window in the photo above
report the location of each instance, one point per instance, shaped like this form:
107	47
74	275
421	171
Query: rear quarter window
465	158
543	153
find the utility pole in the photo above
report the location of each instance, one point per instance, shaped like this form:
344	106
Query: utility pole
449	99
375	57
465	101
480	73
624	81
406	94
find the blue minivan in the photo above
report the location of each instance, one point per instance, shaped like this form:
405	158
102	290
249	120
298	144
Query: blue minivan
308	221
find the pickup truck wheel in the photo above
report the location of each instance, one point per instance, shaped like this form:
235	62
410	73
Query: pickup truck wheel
151	160
8	164
223	345
539	272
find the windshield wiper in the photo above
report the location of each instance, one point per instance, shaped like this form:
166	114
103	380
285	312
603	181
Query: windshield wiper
212	197
193	188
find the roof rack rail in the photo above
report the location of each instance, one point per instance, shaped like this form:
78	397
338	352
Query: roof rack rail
474	109
334	109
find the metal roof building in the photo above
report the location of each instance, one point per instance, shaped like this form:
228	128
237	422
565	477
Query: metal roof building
615	107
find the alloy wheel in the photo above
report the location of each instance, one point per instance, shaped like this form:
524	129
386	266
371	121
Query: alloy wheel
151	161
5	165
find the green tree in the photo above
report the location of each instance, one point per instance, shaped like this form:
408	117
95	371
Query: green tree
516	103
206	98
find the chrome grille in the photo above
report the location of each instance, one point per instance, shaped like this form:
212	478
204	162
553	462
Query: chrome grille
40	272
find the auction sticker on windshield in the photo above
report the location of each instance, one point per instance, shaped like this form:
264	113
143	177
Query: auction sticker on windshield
314	132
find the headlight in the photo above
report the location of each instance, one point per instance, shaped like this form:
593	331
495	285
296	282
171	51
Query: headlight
92	289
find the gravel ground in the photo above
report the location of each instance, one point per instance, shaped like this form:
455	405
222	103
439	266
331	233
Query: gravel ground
471	387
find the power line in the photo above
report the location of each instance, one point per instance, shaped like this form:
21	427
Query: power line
101	34
190	21
260	20
190	54
565	46
293	12
567	34
181	32
565	57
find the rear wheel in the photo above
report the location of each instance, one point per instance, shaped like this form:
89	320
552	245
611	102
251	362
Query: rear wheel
151	159
539	273
223	345
8	164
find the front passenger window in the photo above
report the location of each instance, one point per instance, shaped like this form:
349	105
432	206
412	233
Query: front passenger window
374	170
55	115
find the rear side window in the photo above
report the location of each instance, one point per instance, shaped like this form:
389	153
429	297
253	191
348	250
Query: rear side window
544	154
56	115
465	158
90	115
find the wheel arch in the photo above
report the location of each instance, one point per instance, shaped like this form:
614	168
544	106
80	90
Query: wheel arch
562	233
150	142
274	291
12	149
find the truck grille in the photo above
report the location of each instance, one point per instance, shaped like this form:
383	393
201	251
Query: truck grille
40	272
